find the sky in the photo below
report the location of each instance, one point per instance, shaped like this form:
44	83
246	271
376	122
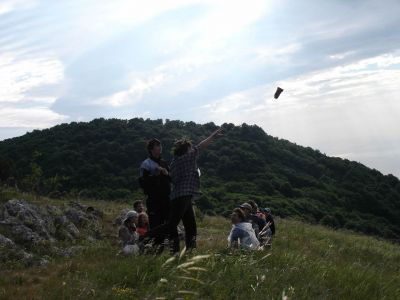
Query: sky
338	62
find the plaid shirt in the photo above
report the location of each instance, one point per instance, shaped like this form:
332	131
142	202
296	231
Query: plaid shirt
185	174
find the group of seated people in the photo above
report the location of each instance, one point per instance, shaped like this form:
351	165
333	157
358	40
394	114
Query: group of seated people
134	228
252	228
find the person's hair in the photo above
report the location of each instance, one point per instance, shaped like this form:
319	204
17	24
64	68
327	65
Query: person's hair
140	219
152	143
239	213
253	205
181	147
129	219
137	203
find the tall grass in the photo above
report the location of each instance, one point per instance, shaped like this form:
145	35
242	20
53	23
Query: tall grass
305	262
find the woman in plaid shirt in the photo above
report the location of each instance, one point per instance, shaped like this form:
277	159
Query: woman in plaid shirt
186	182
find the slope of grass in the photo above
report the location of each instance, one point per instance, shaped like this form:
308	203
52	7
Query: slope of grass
305	262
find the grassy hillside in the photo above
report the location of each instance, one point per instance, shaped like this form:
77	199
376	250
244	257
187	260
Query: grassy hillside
305	262
100	160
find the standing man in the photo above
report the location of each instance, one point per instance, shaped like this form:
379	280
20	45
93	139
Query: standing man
185	177
155	181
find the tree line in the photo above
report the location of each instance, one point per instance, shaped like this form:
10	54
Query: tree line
100	159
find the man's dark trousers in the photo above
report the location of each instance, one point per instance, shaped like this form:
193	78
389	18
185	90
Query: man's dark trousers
158	218
181	208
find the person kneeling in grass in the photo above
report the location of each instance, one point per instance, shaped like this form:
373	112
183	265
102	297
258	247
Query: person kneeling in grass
268	231
242	234
128	235
143	225
256	222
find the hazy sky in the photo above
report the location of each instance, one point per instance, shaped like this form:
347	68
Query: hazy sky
210	60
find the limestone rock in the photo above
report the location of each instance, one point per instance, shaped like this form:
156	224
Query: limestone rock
29	227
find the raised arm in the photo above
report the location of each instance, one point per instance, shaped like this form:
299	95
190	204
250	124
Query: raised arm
204	144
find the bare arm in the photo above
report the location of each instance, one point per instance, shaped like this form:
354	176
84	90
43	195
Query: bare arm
204	144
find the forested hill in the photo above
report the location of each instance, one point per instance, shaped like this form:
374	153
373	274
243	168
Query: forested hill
100	159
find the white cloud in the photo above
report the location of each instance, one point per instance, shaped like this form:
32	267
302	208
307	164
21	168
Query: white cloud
271	55
34	117
342	55
124	12
20	76
7	6
135	92
170	76
202	41
22	104
99	20
225	20
96	22
381	61
234	103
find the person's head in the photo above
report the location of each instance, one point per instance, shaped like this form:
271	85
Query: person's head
138	206
254	205
154	148
181	147
266	211
131	218
143	219
237	216
247	209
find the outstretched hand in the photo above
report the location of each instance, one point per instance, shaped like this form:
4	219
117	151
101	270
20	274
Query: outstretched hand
218	133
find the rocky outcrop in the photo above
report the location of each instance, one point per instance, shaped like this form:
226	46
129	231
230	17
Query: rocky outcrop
9	251
27	230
